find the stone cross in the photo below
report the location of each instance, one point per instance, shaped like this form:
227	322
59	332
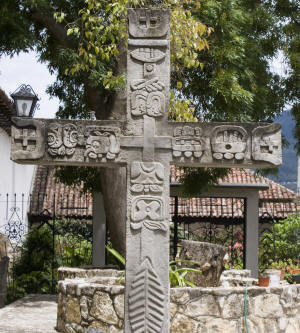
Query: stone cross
147	143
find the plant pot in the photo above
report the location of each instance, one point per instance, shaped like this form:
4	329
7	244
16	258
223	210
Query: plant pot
295	271
282	274
274	275
296	279
264	281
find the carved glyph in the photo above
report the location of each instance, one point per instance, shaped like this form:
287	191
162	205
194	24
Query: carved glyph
147	210
187	142
148	55
147	177
146	300
147	98
229	142
147	23
28	139
102	143
62	139
266	144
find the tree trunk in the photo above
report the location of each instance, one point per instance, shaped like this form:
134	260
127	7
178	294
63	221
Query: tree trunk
113	180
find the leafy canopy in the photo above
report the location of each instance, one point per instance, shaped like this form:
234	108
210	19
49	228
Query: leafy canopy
221	53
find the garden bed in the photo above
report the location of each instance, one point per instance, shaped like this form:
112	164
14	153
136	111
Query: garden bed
93	298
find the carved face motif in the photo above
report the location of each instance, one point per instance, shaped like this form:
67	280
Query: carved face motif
229	142
187	142
148	211
62	139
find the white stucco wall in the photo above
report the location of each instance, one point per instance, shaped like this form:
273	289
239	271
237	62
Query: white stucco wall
14	179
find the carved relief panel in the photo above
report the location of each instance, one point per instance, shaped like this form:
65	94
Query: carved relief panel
101	143
147	210
266	144
62	139
147	177
148	47
229	142
147	23
28	139
187	142
147	98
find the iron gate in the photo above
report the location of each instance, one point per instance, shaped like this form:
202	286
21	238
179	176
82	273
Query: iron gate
214	220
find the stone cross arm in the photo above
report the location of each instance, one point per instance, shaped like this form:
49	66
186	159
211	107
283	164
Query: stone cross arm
146	143
108	143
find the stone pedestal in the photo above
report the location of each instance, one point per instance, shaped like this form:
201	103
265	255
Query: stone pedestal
210	258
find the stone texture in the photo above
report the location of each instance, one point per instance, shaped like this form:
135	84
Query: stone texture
103	309
219	325
268	306
119	306
183	324
72	310
205	305
210	258
194	310
233	306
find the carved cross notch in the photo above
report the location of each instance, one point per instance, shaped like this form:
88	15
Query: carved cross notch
147	144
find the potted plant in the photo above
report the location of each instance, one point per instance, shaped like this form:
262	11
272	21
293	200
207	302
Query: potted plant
263	279
280	265
293	268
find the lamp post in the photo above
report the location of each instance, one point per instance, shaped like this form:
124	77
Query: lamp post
25	101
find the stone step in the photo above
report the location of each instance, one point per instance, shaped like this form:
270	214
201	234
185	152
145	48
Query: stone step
237	282
237	273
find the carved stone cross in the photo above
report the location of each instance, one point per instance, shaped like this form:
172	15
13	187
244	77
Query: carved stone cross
147	144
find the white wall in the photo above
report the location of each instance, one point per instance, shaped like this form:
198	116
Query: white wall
14	179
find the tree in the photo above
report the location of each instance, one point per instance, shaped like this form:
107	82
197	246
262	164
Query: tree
221	73
82	42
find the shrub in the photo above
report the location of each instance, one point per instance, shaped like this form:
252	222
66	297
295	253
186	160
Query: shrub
283	244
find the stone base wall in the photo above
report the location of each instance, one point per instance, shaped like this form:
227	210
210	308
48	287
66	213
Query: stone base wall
98	302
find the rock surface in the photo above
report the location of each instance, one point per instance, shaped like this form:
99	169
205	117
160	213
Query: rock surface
210	258
192	310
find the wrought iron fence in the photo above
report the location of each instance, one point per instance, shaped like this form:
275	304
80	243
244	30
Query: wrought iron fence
214	220
68	242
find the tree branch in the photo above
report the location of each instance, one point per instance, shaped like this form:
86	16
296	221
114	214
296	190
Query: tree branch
56	29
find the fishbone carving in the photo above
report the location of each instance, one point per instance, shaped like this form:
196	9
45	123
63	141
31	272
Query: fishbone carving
146	300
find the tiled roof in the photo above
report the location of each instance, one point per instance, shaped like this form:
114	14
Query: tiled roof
6	112
49	197
247	176
277	201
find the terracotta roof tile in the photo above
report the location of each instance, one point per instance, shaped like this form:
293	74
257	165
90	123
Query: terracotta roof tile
277	201
6	112
69	201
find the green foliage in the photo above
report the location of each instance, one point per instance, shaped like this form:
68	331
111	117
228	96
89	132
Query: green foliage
116	255
283	244
179	277
221	52
198	180
34	267
73	176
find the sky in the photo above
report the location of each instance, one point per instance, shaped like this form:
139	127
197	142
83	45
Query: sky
26	69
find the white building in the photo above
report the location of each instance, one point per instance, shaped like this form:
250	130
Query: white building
15	179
